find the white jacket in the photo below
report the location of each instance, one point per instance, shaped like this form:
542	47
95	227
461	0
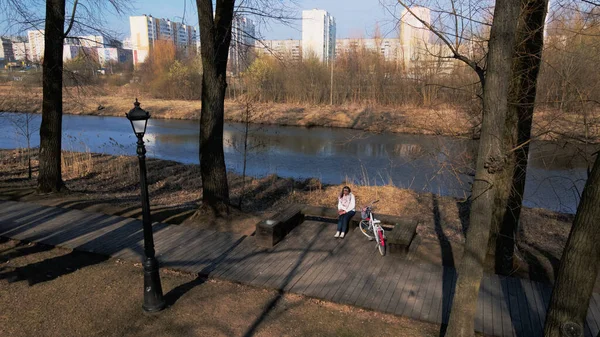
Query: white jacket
350	207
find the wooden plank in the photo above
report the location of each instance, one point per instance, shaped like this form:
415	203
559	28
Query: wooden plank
532	312
297	269
197	258
298	260
346	267
524	309
39	230
409	291
63	221
332	259
302	258
428	303
242	251
390	280
480	314
435	314
497	299
212	249
332	276
448	292
351	273
357	273
381	282
419	299
513	291
507	325
70	232
188	247
89	241
31	221
589	319
23	213
237	261
595	309
231	273
399	288
366	284
488	314
314	263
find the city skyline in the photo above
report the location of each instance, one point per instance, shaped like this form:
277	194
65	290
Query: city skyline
354	19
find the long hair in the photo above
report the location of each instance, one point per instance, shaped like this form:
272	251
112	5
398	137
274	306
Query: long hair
342	192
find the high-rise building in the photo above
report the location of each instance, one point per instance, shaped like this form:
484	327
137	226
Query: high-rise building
414	35
36	44
242	42
20	48
388	48
280	48
318	35
145	30
6	50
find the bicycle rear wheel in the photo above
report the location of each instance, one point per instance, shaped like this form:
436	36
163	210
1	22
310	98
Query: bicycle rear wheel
366	229
381	243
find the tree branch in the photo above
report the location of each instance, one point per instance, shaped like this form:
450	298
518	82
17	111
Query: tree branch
72	19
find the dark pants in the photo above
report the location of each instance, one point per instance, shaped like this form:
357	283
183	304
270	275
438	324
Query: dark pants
343	221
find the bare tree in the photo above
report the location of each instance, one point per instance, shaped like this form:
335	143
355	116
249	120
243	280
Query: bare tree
517	135
215	37
579	265
491	160
56	29
26	125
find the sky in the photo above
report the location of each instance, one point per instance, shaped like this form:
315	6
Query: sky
354	18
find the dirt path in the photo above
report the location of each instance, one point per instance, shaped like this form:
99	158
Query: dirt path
51	292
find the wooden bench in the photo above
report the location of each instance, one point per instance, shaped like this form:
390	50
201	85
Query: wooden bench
400	238
270	231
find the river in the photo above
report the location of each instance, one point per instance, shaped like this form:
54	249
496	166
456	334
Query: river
442	165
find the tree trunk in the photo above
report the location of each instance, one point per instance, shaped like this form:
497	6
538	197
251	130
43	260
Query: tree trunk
579	263
517	135
490	163
215	37
50	175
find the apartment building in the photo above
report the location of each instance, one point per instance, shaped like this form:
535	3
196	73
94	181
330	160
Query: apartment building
389	49
36	44
289	49
242	42
318	35
145	30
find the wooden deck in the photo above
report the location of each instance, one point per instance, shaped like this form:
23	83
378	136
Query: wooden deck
309	261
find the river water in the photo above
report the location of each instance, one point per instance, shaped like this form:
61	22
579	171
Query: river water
442	165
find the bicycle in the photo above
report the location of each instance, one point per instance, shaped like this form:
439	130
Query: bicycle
371	227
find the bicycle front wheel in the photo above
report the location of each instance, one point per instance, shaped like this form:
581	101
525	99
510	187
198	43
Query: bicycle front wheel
381	243
366	229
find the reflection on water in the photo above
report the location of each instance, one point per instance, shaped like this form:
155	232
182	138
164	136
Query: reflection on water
442	165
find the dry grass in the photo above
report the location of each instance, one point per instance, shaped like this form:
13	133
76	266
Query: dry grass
448	120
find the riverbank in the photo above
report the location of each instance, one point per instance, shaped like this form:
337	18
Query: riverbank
109	184
445	120
95	102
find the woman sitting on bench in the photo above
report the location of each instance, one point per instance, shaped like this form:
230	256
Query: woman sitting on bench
346	204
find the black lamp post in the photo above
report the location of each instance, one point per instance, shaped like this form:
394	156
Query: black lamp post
153	296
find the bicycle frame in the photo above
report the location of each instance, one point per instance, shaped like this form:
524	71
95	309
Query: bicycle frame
374	226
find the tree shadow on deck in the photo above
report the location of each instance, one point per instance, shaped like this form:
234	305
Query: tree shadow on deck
273	303
449	273
176	293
